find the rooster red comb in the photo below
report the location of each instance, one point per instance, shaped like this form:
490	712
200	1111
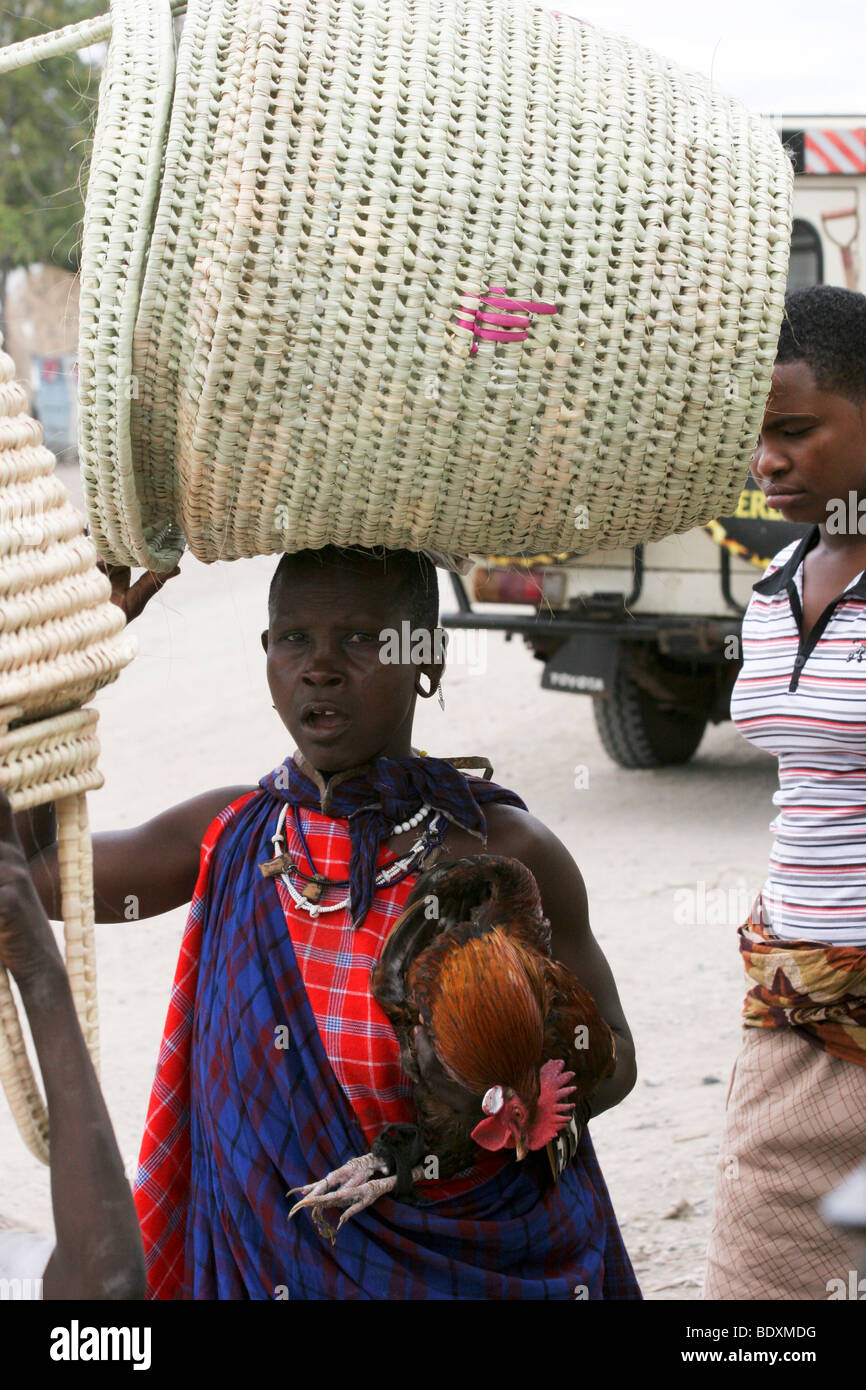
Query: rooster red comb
554	1107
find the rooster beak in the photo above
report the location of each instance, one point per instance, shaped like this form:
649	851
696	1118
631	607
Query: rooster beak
521	1149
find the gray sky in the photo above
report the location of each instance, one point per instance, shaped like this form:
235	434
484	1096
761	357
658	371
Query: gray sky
803	57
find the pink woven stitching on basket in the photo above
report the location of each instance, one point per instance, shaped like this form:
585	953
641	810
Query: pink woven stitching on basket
513	327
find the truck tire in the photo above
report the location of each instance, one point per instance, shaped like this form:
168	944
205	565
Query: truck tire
637	732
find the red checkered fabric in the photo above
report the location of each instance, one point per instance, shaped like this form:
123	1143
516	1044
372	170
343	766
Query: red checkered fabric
335	961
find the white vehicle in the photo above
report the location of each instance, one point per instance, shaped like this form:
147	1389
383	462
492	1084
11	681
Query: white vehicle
652	634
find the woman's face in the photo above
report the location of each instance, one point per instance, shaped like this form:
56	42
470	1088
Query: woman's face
812	447
325	654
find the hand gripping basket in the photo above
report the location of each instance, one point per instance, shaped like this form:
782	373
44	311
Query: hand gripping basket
60	640
443	274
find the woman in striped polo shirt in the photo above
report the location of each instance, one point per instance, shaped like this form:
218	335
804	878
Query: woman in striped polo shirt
796	1114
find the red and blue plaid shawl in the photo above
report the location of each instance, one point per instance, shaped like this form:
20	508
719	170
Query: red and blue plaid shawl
236	1120
381	795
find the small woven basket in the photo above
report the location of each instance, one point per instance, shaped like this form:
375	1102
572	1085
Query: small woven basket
454	275
61	639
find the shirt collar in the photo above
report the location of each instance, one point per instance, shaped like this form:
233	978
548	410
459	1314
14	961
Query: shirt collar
782	577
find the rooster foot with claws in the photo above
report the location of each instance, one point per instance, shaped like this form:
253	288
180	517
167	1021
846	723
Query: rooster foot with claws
353	1186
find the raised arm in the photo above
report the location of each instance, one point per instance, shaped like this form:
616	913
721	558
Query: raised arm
136	873
98	1252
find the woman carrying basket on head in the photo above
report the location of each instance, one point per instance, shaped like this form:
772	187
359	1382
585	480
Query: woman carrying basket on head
277	1064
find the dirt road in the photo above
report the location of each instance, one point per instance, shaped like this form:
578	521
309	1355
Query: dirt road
668	857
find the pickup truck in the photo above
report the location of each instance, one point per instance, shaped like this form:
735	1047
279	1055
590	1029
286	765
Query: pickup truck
652	634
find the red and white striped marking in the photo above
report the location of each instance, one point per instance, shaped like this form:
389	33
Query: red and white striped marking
835	151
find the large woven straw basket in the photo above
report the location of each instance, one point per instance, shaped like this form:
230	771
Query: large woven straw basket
421	273
61	639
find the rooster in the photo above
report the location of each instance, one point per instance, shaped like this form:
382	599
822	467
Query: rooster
502	1042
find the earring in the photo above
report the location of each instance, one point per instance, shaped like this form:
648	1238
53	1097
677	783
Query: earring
425	694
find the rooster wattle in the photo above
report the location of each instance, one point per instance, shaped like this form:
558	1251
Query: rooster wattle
503	1043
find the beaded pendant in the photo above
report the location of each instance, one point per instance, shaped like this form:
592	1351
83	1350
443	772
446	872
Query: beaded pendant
315	888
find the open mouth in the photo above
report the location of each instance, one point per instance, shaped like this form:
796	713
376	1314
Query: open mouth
324	719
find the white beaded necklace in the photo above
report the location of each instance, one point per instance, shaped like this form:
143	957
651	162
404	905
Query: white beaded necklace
383	877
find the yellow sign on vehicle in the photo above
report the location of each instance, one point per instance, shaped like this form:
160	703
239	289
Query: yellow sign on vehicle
755	530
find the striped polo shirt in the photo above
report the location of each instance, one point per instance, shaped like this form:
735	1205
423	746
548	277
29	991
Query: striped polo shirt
802	697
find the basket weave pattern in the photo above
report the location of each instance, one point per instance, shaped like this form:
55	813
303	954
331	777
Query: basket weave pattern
304	231
61	639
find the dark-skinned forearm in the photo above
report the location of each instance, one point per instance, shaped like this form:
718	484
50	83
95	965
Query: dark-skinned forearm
37	831
98	1252
119	904
126	885
616	1087
37	828
138	872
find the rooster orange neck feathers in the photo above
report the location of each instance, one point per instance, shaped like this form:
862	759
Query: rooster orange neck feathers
492	1032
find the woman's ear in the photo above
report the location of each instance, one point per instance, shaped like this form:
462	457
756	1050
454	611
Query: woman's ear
265	640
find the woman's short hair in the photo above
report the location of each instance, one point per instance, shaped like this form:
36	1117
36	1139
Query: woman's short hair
825	327
418	588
